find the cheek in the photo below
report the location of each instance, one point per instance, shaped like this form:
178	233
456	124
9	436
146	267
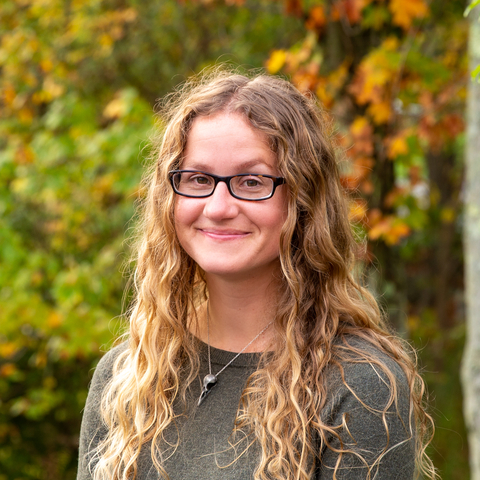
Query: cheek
183	217
185	212
280	213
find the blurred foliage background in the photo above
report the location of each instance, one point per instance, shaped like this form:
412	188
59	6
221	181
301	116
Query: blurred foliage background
79	80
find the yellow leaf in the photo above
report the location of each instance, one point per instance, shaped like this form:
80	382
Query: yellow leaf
53	88
106	40
25	115
398	146
7	349
323	93
380	112
357	211
405	11
54	320
359	125
115	109
9	94
46	65
375	73
338	77
276	61
390	44
19	185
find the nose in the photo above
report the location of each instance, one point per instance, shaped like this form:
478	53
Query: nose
221	205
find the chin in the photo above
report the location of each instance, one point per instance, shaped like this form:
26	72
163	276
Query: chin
235	272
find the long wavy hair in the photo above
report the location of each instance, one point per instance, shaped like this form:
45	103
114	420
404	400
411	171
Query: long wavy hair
321	306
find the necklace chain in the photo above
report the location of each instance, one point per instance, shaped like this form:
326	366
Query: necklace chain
211	380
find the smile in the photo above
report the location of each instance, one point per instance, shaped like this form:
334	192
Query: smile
223	234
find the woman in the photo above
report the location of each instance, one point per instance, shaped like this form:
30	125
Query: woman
252	351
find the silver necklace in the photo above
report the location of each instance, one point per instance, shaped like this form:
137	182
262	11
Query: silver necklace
210	380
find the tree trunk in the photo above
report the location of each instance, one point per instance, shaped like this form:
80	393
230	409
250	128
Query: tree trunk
471	359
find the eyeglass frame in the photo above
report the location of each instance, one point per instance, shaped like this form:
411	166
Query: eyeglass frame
277	181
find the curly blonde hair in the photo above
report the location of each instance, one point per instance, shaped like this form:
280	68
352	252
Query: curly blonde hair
321	306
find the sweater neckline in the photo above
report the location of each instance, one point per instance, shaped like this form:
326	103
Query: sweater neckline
222	357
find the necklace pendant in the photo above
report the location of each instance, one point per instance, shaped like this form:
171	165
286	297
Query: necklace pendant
209	381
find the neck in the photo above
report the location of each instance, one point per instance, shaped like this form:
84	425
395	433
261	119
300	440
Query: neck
238	313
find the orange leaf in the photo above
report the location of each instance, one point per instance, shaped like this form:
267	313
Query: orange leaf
398	231
316	19
374	216
7	370
349	182
294	7
306	78
362	134
375	73
379	230
405	11
350	9
363	166
328	87
367	187
394	195
24	155
391	229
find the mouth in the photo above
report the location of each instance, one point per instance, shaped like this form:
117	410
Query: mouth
227	234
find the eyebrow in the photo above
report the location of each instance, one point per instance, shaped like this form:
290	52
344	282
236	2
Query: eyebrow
242	167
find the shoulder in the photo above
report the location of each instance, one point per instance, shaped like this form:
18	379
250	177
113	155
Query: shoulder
368	406
365	383
104	368
93	429
366	368
103	374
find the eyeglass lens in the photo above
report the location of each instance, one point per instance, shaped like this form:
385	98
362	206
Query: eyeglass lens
198	184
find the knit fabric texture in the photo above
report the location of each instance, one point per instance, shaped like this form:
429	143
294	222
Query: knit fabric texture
207	450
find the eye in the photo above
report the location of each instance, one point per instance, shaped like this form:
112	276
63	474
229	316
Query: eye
198	179
201	180
251	182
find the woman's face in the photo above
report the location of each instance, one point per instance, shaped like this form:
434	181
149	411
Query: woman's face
227	236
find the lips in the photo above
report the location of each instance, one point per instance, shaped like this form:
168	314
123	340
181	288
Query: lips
223	234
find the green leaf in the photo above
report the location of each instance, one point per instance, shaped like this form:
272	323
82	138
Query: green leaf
470	7
476	72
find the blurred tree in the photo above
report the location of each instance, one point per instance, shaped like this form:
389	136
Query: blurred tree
471	358
78	82
393	73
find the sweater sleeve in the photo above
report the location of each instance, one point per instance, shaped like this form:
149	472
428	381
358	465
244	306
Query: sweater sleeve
357	414
93	429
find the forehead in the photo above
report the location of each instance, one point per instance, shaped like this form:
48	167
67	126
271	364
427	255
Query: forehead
227	140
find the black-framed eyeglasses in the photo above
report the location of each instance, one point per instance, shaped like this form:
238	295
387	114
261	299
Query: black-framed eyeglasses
245	186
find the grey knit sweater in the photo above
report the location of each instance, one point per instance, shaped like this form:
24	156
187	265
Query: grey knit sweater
205	449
